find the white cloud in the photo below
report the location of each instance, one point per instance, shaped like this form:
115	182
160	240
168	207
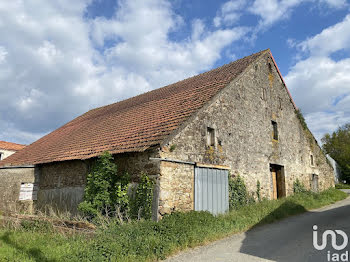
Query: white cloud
52	67
230	13
335	3
320	84
143	46
330	40
3	54
322	122
272	11
48	52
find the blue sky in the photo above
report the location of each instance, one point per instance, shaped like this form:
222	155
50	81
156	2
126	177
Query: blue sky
307	19
59	59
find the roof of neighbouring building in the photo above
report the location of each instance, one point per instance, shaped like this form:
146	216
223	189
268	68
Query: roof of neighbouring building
132	125
11	146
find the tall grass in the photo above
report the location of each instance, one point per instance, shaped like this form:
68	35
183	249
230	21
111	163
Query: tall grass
342	186
148	240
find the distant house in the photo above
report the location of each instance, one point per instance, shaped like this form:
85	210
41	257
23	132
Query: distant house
7	149
238	119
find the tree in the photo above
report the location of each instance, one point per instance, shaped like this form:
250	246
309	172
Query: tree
337	145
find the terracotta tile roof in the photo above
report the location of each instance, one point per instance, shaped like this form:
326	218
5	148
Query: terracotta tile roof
132	125
11	146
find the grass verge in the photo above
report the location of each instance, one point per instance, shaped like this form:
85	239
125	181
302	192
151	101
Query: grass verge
148	240
342	186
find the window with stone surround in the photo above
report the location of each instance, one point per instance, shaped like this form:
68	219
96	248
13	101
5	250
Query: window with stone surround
210	136
263	94
275	130
312	160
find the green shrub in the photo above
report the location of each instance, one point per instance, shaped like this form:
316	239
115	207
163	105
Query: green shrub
105	190
301	119
36	225
258	190
238	193
141	199
108	193
342	186
298	187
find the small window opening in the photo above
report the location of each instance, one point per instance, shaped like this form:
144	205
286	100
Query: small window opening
280	103
1	156
275	130
219	142
312	160
211	136
270	67
263	94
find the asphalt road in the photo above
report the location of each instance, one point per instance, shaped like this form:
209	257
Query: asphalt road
290	239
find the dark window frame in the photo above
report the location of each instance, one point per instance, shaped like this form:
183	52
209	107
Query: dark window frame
275	130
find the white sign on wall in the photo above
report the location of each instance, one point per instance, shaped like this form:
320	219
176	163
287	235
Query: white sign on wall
28	191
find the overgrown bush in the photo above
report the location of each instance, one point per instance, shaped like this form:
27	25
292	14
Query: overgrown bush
36	225
106	192
238	193
141	199
301	119
298	187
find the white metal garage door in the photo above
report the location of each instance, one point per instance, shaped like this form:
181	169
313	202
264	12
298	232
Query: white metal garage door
211	190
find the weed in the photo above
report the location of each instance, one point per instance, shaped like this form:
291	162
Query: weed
147	240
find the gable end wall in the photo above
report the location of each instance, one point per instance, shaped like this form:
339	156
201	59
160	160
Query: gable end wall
241	116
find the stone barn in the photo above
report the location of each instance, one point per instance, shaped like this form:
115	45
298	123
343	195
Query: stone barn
236	119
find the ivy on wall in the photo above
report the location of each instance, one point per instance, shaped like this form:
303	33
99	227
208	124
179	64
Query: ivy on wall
238	193
301	119
141	201
108	193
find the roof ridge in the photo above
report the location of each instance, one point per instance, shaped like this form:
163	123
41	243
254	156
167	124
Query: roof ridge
183	80
3	141
11	146
134	124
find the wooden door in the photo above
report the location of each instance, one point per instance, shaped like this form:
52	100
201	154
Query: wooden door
274	184
280	184
314	185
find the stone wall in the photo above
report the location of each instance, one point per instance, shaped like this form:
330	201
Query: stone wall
176	187
11	180
61	184
137	163
241	117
